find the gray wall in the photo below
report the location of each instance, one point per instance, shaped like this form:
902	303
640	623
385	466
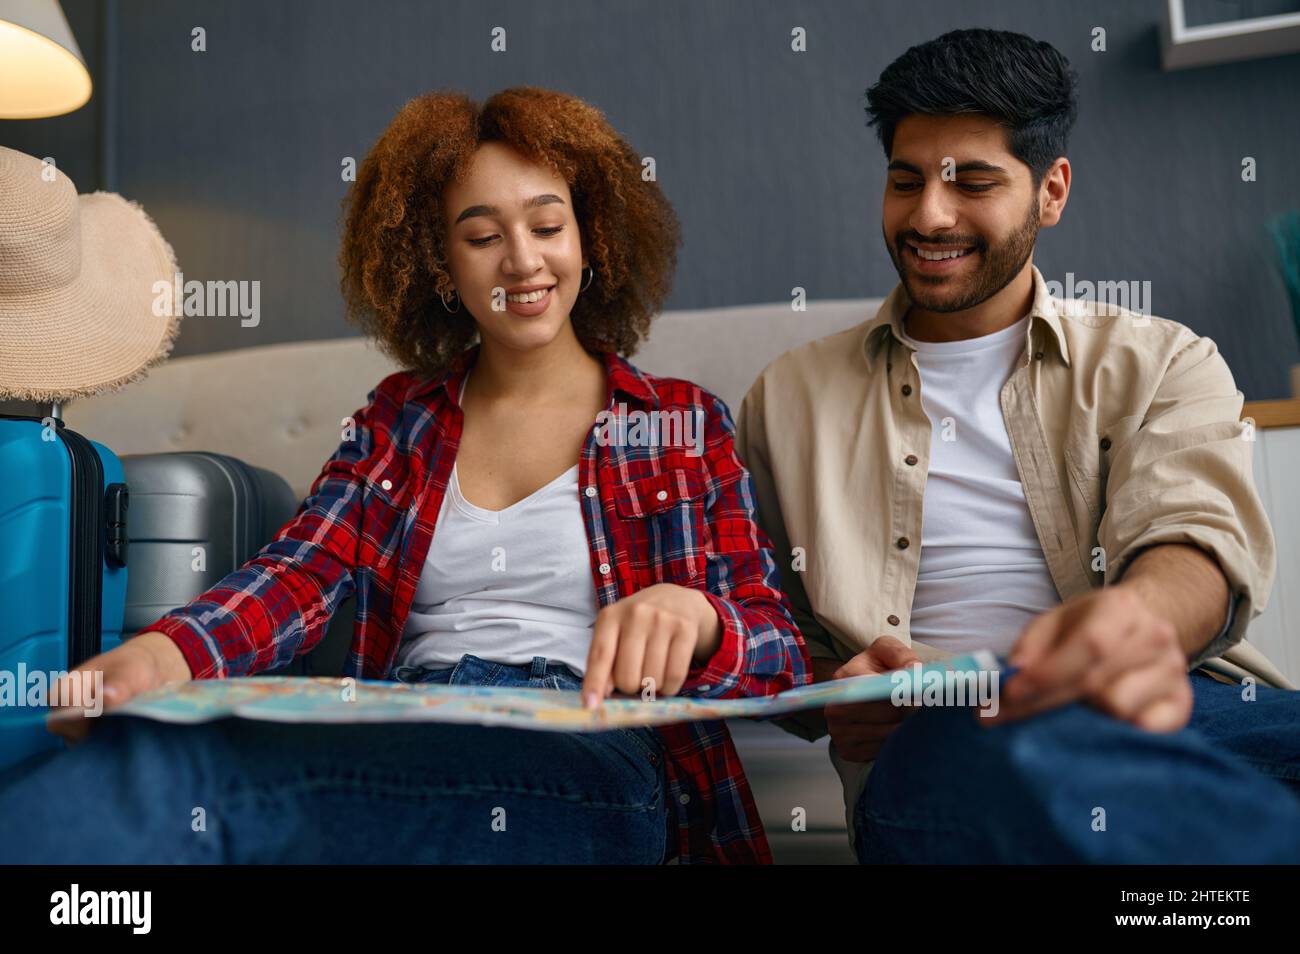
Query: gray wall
765	153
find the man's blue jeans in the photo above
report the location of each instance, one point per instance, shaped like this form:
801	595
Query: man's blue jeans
239	791
1076	786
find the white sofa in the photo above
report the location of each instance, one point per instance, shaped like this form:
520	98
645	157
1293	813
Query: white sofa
281	406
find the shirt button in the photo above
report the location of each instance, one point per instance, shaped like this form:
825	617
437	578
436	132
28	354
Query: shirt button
907	389
387	485
590	491
662	495
891	619
910	460
1105	443
604	569
902	543
1038	356
684	798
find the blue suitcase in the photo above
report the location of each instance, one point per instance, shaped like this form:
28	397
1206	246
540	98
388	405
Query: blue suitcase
63	554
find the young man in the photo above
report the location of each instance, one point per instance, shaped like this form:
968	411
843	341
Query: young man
981	465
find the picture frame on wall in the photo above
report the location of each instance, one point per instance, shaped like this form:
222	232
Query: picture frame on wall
1183	46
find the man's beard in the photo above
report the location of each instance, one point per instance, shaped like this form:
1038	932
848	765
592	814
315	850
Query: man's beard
997	267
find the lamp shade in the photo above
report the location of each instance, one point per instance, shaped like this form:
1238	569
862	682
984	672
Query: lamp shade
42	72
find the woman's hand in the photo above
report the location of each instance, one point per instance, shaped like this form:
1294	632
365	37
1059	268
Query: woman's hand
655	634
144	662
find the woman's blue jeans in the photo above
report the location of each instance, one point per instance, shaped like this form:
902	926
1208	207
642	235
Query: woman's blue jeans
1076	786
138	791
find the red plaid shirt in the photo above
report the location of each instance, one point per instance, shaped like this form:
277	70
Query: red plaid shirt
656	511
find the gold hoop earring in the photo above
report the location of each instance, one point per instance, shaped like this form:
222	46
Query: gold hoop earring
447	306
590	278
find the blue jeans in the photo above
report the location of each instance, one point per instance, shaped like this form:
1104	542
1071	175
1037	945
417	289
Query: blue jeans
138	791
1074	785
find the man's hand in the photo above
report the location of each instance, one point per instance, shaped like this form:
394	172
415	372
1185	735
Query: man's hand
144	662
1107	648
859	730
655	633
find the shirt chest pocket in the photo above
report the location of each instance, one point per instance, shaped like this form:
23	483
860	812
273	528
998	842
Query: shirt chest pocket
664	517
385	480
1090	452
386	495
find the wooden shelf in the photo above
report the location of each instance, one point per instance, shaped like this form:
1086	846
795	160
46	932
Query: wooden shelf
1281	413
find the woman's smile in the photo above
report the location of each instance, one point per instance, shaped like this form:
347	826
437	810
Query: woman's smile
530	304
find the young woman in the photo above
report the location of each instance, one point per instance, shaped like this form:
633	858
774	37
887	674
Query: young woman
495	526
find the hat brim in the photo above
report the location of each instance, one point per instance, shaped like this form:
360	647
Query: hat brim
98	332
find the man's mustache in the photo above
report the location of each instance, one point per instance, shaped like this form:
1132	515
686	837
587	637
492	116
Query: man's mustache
903	239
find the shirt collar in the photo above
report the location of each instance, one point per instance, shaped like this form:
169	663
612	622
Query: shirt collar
622	377
1044	314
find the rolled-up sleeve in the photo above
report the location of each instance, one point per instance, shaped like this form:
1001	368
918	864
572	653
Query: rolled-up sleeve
761	652
752	446
1186	476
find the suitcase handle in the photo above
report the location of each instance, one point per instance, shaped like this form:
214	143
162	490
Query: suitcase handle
116	501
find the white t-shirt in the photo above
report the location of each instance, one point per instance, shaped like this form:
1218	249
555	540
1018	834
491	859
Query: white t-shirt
505	585
982	574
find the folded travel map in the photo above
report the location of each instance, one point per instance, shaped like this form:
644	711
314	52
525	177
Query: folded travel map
331	700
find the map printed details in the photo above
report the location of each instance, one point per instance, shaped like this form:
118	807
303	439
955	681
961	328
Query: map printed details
317	699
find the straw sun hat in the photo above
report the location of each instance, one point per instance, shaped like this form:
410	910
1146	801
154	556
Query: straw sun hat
77	278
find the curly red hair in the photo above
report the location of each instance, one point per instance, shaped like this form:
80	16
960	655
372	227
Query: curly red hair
393	251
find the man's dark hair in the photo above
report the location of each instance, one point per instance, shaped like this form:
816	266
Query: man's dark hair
1025	84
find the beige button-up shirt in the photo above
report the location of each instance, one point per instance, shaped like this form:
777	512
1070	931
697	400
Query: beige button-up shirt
1125	431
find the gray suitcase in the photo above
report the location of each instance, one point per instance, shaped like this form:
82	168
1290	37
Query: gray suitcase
195	518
